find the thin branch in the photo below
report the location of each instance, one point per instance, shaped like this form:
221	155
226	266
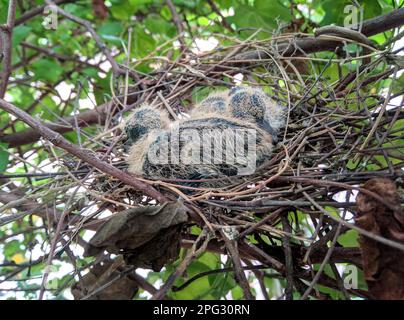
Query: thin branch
214	7
104	49
97	115
216	271
178	23
7	32
36	11
307	45
288	258
58	140
238	270
198	248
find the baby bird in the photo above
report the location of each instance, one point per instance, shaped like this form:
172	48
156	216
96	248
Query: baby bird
255	106
204	146
143	121
215	103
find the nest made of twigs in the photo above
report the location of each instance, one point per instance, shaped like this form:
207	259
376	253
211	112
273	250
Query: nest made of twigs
338	134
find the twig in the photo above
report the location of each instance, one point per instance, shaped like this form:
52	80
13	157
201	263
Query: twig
323	264
308	45
345	33
35	11
177	21
105	50
238	270
217	11
56	139
198	247
288	258
170	110
7	32
54	242
216	271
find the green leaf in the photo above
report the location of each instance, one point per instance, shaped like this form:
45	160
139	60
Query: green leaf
210	259
349	239
371	9
272	10
110	29
3	11
247	17
264	14
4	119
386	5
221	284
224	3
335	12
121	13
112	39
49	111
71	136
90	72
20	33
122	10
398	84
139	3
237	293
3	156
186	3
156	24
47	70
79	10
11	248
142	42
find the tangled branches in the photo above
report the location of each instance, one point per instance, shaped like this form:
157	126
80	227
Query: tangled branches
288	217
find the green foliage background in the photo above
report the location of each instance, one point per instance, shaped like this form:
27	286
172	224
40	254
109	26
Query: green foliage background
152	26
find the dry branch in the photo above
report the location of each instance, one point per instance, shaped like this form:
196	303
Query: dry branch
7	31
58	140
298	46
309	44
307	170
98	115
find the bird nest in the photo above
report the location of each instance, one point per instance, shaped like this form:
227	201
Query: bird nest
288	215
338	129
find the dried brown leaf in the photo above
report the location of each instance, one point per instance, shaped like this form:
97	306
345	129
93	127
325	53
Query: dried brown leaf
382	264
123	288
147	236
